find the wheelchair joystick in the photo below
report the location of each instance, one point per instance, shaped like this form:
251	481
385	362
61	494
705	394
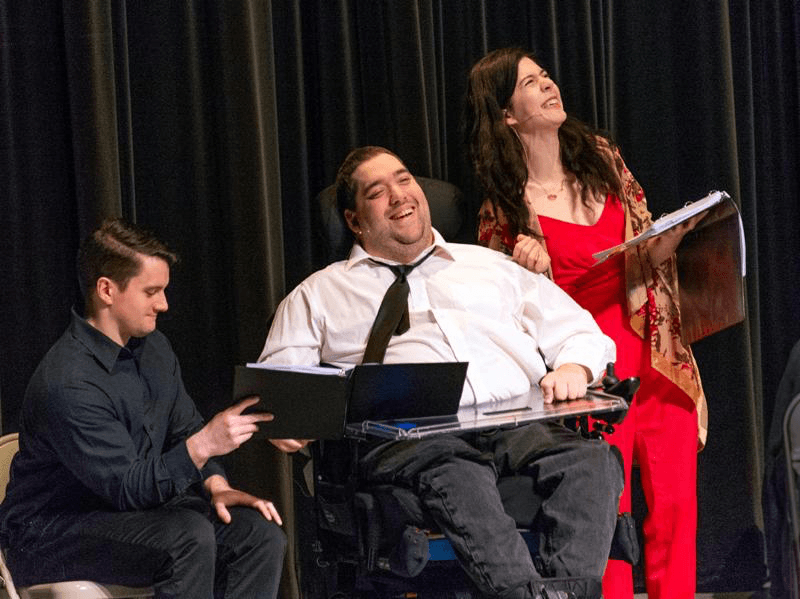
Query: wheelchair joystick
602	424
610	379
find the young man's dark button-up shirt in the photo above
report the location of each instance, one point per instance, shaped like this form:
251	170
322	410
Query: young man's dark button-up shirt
103	427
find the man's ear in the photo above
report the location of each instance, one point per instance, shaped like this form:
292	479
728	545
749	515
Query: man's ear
352	221
105	290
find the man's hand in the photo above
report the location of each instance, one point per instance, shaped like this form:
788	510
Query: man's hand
225	432
530	254
290	445
568	381
224	496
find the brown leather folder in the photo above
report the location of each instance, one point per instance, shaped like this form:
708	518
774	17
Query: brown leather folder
711	274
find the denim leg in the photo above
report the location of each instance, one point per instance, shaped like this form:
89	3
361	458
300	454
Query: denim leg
579	481
457	485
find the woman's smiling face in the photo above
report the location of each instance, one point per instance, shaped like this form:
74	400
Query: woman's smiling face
536	101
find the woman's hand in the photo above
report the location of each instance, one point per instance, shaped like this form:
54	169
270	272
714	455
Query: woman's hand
661	247
530	254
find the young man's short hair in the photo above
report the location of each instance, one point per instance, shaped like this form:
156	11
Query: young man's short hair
114	250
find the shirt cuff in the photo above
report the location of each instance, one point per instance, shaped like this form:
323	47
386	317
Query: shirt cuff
211	468
181	468
589	359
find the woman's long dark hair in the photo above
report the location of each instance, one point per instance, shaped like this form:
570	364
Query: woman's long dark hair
497	154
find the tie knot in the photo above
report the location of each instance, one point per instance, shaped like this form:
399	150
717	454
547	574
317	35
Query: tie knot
401	270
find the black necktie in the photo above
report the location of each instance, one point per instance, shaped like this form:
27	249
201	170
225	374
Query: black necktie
392	318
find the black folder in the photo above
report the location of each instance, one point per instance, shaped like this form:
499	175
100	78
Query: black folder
317	403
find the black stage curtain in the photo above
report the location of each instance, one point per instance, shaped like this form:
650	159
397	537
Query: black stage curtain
216	123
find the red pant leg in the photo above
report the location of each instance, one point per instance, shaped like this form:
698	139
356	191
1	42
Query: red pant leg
660	432
665	445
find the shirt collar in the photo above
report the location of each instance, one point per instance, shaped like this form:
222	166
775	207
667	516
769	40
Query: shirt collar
102	347
440	246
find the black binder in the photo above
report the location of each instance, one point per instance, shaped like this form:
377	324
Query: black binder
317	402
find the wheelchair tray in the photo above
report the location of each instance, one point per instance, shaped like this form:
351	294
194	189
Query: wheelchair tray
493	414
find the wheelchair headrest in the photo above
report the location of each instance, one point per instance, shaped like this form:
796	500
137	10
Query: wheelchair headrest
447	215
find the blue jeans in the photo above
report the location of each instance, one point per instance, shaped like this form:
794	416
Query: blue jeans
180	549
578	480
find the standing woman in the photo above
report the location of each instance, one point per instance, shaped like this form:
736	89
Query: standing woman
557	191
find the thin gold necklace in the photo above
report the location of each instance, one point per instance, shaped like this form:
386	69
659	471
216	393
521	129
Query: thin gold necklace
551	195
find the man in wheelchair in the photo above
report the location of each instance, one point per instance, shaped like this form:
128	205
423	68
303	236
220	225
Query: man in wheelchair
516	329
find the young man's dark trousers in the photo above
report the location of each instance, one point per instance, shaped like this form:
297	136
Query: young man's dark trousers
181	549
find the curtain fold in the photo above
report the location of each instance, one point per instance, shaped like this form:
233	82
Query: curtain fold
90	51
216	124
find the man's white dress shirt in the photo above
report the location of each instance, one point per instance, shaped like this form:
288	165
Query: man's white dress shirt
467	303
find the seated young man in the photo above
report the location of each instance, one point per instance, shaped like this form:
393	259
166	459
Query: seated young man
115	479
466	303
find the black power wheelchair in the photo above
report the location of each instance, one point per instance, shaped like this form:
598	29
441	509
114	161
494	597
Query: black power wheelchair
376	542
360	541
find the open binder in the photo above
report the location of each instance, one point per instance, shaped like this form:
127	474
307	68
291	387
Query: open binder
711	270
711	264
316	402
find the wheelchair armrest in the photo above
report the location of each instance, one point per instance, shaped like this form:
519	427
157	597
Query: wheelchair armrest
625	389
